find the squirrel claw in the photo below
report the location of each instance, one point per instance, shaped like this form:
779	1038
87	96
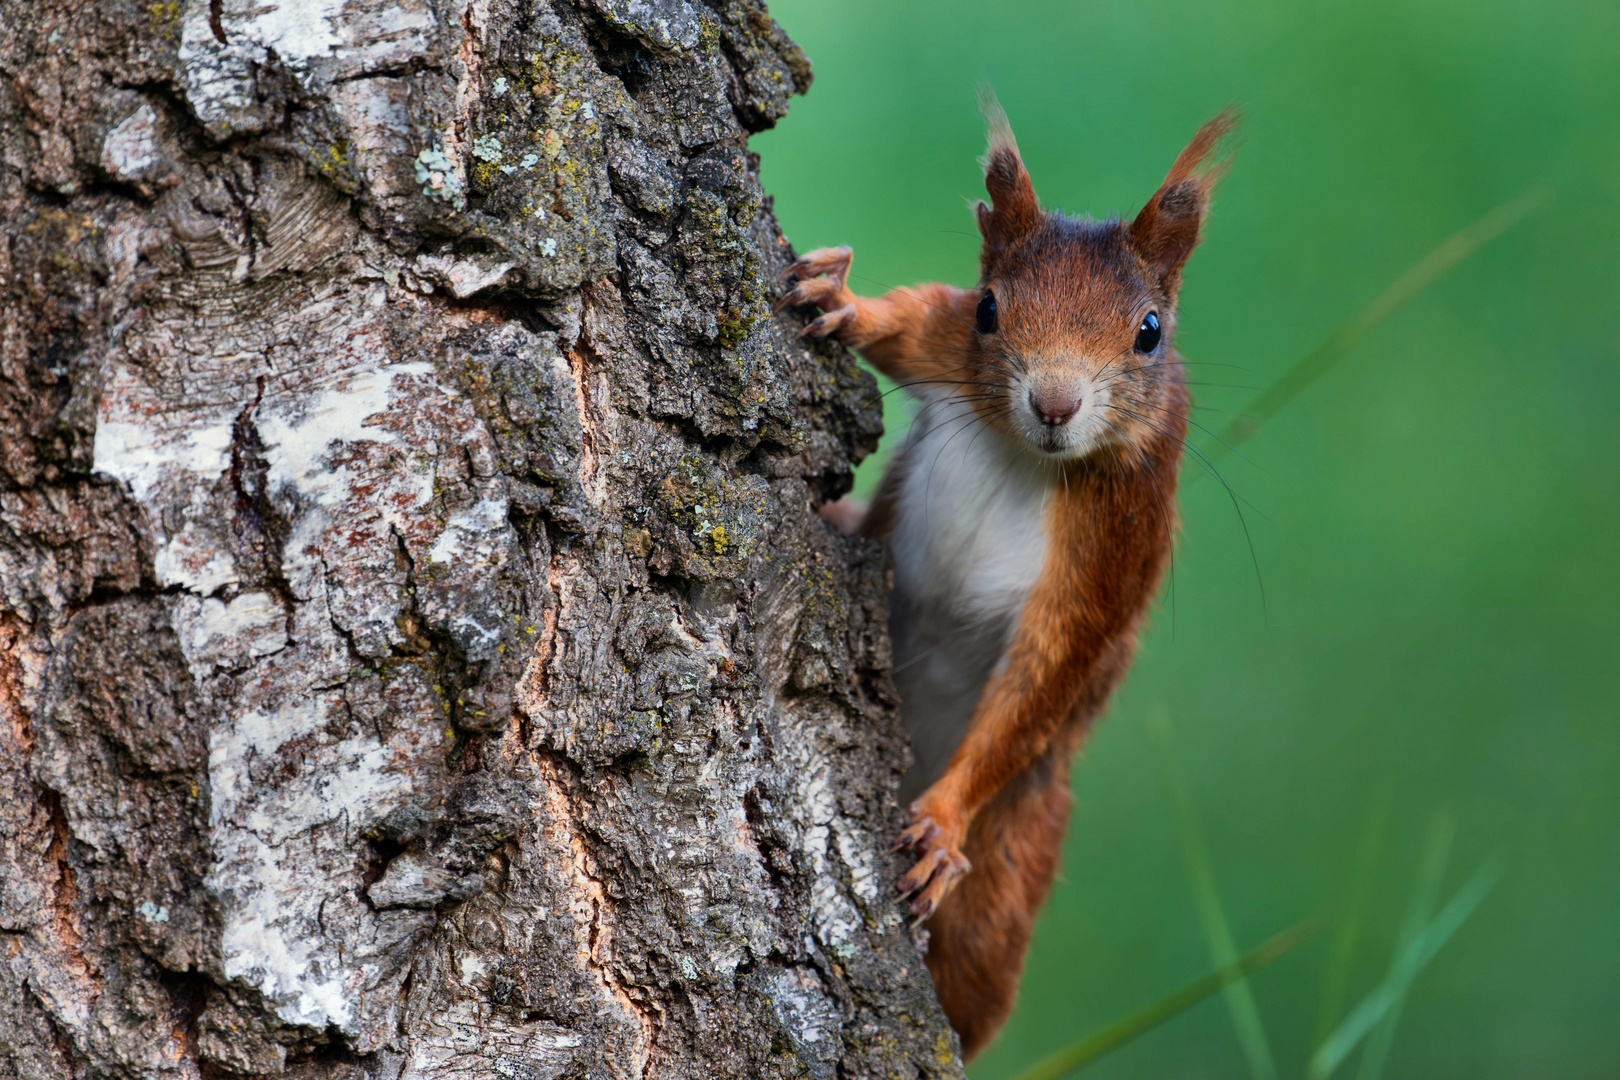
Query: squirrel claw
927	882
830	323
822	292
939	863
918	832
819	281
923	906
834	262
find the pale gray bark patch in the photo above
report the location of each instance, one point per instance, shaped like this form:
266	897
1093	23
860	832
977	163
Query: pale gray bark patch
418	654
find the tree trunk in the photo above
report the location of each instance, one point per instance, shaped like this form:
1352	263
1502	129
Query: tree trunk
418	653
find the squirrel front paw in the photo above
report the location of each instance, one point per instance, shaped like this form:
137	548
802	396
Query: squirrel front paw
822	277
936	834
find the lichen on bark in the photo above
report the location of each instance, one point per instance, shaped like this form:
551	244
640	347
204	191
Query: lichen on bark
418	653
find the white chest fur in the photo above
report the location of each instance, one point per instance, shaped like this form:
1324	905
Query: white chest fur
970	536
968	545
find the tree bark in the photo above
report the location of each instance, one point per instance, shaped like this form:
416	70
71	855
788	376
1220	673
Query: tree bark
418	653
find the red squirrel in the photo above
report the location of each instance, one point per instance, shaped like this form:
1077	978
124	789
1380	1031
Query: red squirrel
1030	519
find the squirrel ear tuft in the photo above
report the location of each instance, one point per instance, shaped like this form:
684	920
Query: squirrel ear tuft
1013	210
1168	228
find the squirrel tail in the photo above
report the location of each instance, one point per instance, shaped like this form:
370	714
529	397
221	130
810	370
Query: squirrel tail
978	936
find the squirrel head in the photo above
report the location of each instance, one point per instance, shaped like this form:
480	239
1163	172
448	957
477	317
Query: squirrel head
1076	317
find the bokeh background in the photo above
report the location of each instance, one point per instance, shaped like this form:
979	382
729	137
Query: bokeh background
1435	521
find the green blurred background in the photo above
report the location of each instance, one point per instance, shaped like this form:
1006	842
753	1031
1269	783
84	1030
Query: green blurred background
1435	521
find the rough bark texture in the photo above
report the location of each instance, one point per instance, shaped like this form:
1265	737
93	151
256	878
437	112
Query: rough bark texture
418	655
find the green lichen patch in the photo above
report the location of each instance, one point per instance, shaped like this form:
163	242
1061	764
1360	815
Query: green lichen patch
438	177
538	173
717	520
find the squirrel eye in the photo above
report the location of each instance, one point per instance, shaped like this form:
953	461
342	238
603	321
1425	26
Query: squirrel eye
1147	335
986	314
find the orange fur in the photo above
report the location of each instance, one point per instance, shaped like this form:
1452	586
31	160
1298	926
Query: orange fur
1071	296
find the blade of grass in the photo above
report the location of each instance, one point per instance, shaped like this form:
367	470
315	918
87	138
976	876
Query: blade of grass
1217	932
1389	994
1438	851
1349	334
1123	1030
1336	976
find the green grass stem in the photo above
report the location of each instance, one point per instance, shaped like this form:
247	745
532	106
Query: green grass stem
1388	996
1350	334
1342	953
1123	1030
1211	913
1436	854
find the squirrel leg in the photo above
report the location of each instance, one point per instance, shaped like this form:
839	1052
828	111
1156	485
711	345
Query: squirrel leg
980	931
821	278
908	334
847	515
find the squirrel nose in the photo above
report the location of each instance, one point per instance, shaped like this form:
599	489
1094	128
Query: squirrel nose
1055	406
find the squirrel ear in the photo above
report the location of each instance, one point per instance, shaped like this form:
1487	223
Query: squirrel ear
1167	229
1014	210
